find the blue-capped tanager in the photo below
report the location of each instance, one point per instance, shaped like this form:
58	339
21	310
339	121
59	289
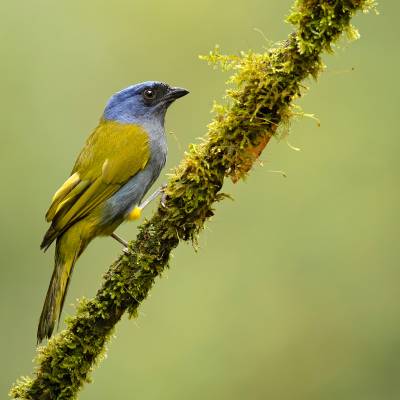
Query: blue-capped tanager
117	166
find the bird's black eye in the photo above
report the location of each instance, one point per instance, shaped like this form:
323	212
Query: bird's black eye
149	94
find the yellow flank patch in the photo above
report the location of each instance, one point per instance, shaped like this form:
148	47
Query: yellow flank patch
134	214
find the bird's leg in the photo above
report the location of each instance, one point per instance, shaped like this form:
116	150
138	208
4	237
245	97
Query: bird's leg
119	239
159	191
122	241
137	211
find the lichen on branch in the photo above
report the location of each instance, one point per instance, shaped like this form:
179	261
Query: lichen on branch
260	97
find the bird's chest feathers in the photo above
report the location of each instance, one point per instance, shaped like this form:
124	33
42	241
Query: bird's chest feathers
158	149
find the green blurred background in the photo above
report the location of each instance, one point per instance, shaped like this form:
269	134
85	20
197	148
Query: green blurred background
294	292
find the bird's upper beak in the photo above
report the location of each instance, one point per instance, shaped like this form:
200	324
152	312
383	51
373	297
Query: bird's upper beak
175	93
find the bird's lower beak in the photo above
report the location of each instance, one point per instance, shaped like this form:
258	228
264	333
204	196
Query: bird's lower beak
176	93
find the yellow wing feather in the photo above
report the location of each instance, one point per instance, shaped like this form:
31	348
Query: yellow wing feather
112	155
61	193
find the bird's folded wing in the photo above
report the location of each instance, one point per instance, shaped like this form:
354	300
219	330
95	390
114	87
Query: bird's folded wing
112	155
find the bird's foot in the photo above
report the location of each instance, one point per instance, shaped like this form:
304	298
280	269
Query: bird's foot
160	191
163	195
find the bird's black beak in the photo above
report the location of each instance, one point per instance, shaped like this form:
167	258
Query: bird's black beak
175	93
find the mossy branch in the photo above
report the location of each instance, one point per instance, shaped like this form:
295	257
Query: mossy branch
263	89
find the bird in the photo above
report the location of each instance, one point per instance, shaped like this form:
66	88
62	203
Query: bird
116	167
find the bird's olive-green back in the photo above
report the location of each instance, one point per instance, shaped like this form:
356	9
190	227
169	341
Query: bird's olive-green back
111	156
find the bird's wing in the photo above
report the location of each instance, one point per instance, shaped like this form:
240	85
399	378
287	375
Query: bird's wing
111	156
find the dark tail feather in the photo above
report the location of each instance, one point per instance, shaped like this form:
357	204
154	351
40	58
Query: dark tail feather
49	238
55	297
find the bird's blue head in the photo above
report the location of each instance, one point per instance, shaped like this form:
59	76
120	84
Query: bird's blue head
142	103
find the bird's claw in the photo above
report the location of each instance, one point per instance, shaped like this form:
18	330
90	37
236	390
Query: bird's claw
163	195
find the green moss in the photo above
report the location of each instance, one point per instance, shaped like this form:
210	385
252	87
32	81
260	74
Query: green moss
261	92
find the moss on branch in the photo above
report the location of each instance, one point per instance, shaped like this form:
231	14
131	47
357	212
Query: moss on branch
260	96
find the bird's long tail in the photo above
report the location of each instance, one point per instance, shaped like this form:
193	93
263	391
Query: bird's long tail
68	249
